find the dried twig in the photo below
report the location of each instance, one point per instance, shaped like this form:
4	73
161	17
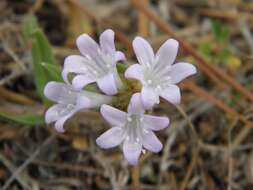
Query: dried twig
27	162
209	69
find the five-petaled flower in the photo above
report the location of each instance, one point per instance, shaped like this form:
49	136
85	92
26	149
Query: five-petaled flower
134	129
97	63
157	73
69	101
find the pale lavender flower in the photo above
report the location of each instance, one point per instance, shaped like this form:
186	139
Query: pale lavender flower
97	63
157	73
134	129
69	101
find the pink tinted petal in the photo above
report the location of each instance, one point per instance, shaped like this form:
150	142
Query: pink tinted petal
167	53
73	64
87	46
155	123
143	51
108	84
60	122
114	116
134	72
111	138
151	142
80	81
53	113
171	94
132	151
149	97
119	56
53	90
106	40
135	106
180	71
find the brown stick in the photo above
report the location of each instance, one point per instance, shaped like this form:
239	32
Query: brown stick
135	173
143	22
206	67
212	99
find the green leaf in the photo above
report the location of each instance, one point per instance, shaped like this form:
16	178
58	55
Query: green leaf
25	119
220	31
206	50
54	70
45	68
29	25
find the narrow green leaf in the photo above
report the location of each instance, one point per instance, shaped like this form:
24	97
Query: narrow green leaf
24	119
53	70
45	68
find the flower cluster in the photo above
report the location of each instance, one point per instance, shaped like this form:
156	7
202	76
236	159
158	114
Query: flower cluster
157	74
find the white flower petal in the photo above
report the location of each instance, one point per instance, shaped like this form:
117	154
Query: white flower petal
73	64
135	106
119	56
54	90
149	97
171	94
87	46
143	51
180	71
111	138
60	122
53	113
80	81
132	151
114	116
83	102
106	40
134	72
108	84
155	123
151	142
167	53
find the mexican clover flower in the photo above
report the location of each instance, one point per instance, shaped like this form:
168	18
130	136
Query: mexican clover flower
69	101
97	63
157	73
134	129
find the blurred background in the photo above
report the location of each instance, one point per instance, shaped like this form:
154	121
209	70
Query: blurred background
209	143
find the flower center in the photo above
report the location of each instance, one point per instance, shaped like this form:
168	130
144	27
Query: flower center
134	129
157	77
